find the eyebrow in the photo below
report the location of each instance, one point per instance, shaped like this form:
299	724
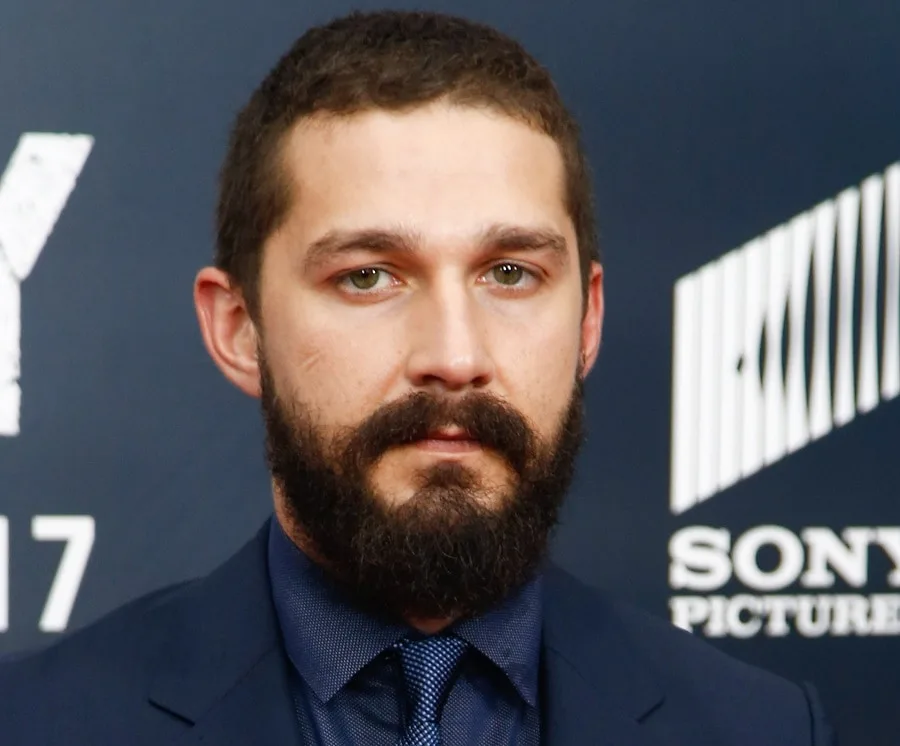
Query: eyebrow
498	237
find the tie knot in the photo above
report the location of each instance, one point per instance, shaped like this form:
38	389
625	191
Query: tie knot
428	666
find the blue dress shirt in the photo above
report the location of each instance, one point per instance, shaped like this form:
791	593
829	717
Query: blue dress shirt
346	679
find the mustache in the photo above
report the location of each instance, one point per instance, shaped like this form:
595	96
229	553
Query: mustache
486	418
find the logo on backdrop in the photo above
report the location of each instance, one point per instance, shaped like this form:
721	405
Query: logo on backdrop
755	379
34	189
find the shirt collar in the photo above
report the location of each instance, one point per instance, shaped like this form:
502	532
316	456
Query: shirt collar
510	636
329	640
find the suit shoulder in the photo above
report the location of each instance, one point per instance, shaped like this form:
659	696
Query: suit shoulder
701	684
89	684
688	654
669	648
107	655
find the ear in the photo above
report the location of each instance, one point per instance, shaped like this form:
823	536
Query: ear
592	321
228	331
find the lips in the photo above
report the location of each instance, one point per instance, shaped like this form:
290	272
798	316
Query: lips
449	440
450	433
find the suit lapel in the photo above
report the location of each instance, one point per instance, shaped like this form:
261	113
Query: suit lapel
595	689
221	670
258	710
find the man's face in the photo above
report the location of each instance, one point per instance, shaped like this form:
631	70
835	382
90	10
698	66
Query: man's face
411	261
422	334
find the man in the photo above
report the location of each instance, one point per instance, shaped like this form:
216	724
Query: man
407	277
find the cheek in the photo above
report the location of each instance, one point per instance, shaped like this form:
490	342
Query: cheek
537	366
336	370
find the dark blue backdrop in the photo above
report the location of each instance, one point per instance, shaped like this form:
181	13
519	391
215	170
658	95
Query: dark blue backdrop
707	123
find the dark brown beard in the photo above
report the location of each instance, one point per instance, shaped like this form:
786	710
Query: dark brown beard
443	552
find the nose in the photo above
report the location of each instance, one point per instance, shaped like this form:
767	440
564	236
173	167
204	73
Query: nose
448	347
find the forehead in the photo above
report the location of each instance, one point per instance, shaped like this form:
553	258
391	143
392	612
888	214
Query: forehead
441	170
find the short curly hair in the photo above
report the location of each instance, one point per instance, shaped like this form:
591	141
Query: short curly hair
391	60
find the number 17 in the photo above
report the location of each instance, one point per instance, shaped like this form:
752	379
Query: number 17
78	533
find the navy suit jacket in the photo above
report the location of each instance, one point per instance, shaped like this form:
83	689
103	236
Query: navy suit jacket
202	663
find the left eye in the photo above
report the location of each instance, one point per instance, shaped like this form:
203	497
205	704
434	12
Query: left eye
366	278
508	274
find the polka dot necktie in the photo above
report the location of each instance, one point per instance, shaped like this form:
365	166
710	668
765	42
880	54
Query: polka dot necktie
428	667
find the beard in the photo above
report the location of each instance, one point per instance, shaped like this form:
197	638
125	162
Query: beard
456	547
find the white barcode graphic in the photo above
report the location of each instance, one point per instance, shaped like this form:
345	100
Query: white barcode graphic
742	396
